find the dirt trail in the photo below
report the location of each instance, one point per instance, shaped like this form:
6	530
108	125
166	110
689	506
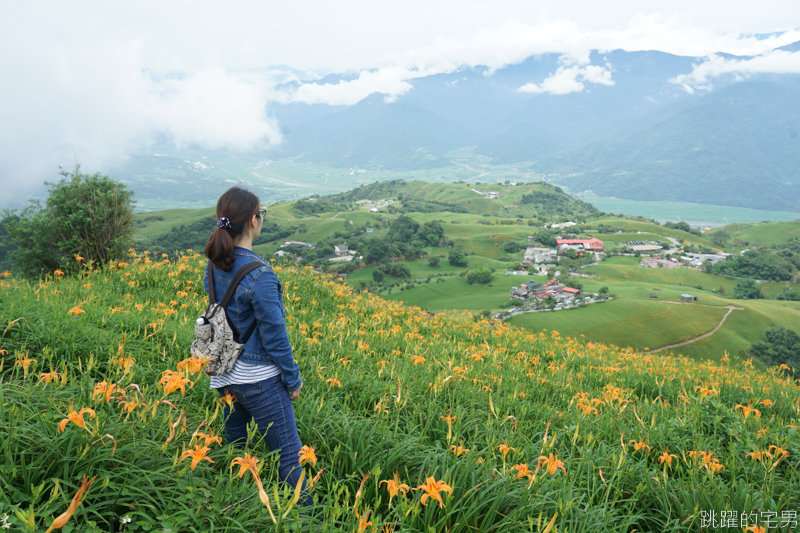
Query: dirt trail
731	309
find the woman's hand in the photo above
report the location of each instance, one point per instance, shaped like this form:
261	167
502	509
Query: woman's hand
296	394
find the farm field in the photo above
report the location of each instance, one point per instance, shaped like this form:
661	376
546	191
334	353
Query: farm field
491	427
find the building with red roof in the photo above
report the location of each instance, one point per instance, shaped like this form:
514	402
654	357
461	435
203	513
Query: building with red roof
594	244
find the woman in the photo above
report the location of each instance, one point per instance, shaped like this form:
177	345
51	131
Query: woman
265	379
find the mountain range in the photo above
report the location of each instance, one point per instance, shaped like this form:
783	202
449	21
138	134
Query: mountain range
636	135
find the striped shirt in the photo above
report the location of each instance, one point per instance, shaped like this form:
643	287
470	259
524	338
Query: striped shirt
244	373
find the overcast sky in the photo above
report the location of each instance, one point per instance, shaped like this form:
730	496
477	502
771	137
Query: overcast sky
90	81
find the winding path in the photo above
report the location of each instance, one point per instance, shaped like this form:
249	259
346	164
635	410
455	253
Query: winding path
731	309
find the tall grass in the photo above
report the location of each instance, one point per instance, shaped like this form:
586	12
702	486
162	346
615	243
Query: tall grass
389	390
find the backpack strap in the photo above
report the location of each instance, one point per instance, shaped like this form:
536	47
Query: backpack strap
246	269
242	272
210	275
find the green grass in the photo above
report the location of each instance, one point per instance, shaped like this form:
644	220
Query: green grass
639	324
763	234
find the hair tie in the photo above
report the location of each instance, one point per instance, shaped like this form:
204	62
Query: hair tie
224	223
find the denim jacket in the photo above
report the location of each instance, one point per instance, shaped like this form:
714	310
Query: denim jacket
259	298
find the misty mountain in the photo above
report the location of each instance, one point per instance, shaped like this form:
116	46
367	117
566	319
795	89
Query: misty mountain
374	133
642	137
739	146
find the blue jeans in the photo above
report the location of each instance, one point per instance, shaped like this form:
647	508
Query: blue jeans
267	402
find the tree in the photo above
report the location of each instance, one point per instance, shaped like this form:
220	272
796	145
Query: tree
377	275
780	346
788	294
86	215
431	233
479	277
603	291
511	247
746	289
433	261
456	258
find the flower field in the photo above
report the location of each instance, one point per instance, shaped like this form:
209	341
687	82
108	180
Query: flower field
412	422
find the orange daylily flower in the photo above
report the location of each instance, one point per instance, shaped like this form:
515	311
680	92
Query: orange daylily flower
197	455
432	489
666	457
307	455
47	377
504	449
62	519
333	382
173	381
553	463
458	451
522	471
129	406
393	486
193	364
58	273
76	311
363	522
248	463
76	418
637	446
106	389
24	361
228	399
209	437
418	359
746	411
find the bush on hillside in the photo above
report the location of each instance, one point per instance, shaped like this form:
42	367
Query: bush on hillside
479	277
746	289
456	258
90	216
780	346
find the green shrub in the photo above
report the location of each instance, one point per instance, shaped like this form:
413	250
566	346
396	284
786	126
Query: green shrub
88	216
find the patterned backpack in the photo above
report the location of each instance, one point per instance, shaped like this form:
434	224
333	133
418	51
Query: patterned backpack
214	335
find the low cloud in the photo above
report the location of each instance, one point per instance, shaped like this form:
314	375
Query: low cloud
97	105
571	75
772	62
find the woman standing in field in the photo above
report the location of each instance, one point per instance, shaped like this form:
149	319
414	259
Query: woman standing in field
265	379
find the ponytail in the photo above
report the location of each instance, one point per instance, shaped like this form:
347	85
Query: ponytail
238	206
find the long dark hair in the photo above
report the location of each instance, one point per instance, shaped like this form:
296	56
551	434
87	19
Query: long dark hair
238	206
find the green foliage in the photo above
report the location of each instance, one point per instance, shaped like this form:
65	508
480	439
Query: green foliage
311	207
780	346
396	269
777	264
746	289
555	202
377	275
787	293
511	247
457	258
569	281
603	291
433	261
479	277
90	215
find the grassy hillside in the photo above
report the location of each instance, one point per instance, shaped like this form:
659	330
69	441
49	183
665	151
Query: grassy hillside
530	432
762	234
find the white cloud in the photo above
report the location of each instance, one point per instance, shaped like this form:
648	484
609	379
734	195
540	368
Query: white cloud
702	75
565	80
96	105
390	81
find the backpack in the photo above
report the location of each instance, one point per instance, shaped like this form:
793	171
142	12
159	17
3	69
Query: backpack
214	335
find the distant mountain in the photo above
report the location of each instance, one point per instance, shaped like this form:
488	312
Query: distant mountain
374	133
739	146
